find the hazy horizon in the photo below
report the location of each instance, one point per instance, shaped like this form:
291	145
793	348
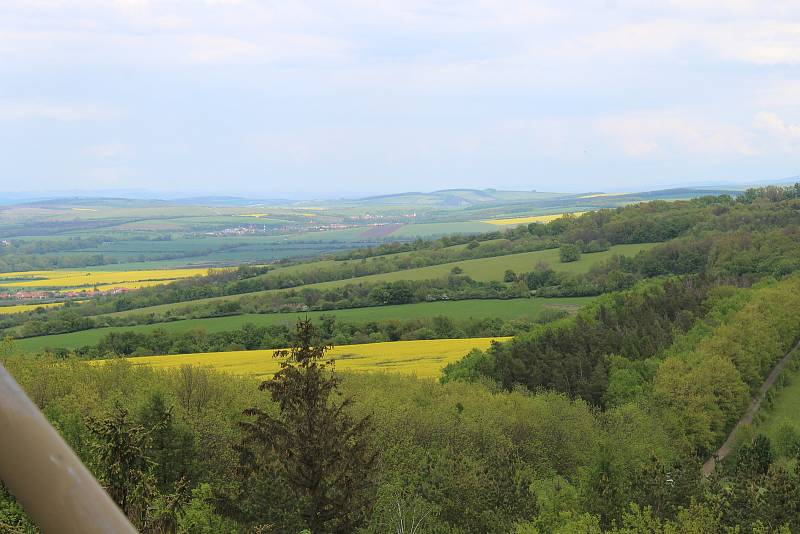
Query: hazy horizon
188	194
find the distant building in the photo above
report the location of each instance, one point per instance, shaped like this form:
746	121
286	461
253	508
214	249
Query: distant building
32	295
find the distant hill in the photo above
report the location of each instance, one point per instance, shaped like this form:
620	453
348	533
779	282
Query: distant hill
104	202
231	201
682	192
456	198
446	199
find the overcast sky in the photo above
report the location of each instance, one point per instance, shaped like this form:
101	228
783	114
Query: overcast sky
305	99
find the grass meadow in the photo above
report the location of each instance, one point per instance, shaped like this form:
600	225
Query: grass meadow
784	408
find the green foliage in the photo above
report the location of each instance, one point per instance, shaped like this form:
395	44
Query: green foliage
323	453
787	440
665	488
122	464
568	253
597	245
604	487
629	381
590	423
541	276
557	502
393	293
699	399
199	516
208	296
13	519
272	330
571	355
701	392
170	445
755	457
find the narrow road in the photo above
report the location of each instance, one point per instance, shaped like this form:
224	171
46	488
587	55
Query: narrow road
747	419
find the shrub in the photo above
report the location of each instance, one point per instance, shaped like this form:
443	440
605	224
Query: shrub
568	253
787	440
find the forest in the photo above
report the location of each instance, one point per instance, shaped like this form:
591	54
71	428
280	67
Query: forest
586	421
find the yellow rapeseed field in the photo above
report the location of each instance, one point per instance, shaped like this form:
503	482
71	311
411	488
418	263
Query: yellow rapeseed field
423	358
125	285
20	308
77	279
531	219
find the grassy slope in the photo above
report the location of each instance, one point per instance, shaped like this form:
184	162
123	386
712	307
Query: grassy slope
462	309
484	269
785	407
323	264
443	228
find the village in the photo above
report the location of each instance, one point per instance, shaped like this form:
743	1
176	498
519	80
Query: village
59	295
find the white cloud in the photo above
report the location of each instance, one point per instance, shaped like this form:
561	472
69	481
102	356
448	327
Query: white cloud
445	34
672	134
106	176
764	43
109	150
783	95
158	33
755	41
424	84
40	110
214	49
715	8
783	135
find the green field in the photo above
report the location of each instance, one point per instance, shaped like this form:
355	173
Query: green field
311	266
443	228
214	250
488	269
484	269
462	309
785	408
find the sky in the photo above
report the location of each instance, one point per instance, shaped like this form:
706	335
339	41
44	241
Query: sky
339	98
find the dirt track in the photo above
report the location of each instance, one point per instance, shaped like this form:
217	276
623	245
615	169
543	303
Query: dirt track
747	419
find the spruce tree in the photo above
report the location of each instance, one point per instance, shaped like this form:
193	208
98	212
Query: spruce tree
322	451
122	464
124	467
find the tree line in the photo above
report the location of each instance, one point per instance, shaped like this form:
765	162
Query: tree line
252	337
357	295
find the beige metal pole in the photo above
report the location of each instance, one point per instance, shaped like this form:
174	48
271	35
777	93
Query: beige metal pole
45	476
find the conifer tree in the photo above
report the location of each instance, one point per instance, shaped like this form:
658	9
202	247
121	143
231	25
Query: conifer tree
322	451
123	466
126	470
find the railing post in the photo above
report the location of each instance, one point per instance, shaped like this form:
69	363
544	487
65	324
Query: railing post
45	476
